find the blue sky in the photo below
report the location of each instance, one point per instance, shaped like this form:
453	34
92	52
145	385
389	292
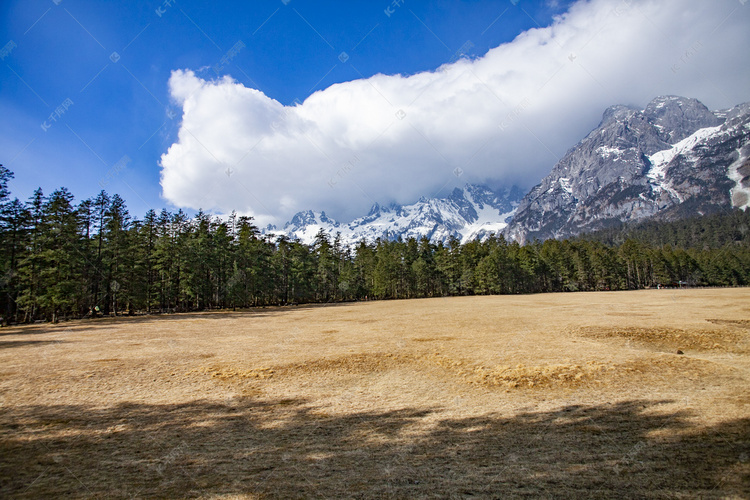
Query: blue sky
122	109
88	94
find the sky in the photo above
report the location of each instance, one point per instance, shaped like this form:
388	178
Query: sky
275	106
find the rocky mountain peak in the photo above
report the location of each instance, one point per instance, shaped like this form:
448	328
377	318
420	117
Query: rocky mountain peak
674	155
618	112
375	210
678	117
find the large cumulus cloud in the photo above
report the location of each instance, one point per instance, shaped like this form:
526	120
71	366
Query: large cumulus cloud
503	118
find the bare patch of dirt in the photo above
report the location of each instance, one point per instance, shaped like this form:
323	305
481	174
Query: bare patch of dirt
739	323
538	376
226	373
670	338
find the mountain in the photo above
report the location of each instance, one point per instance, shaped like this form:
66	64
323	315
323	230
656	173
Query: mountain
475	211
673	158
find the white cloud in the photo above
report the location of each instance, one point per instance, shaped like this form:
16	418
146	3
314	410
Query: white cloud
503	118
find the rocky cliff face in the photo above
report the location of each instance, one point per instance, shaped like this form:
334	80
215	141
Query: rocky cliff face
672	159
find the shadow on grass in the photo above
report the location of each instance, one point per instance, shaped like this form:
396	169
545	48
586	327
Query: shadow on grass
283	449
85	324
7	344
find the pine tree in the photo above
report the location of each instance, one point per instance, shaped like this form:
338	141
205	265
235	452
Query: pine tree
147	241
326	273
14	222
99	209
61	287
116	257
32	263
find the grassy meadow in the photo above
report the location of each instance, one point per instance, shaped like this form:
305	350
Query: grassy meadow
642	394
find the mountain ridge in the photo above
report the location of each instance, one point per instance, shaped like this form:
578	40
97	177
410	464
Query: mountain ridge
671	159
476	211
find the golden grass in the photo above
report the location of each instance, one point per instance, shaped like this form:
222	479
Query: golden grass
554	395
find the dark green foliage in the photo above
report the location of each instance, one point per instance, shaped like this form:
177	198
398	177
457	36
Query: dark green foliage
60	260
710	231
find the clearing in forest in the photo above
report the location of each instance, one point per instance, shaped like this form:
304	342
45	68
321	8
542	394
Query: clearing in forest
565	395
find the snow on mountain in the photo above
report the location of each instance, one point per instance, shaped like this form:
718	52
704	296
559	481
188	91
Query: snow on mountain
473	212
739	173
660	160
672	159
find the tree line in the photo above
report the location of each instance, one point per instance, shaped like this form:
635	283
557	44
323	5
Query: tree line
61	260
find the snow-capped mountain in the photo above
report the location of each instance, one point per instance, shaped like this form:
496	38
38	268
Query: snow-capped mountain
674	158
469	213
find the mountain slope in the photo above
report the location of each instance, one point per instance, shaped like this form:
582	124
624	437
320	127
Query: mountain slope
671	159
468	213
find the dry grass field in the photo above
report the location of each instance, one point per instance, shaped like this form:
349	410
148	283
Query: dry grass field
541	396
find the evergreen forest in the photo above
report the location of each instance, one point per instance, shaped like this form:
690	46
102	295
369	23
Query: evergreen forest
62	260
